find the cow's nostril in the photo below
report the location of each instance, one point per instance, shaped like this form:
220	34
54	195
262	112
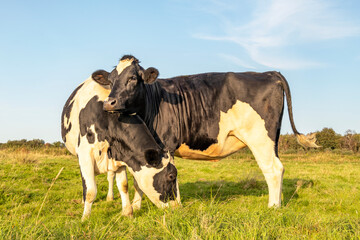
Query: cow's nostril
113	102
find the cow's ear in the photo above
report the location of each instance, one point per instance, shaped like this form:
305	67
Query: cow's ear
101	77
150	75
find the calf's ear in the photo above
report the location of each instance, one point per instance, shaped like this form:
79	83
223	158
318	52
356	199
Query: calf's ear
150	75
152	157
101	77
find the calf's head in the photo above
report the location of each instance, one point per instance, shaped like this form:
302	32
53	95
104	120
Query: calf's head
127	82
159	180
153	168
155	174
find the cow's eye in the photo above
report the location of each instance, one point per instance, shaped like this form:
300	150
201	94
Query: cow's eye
131	79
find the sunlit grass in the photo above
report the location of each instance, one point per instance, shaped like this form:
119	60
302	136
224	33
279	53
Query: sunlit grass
221	200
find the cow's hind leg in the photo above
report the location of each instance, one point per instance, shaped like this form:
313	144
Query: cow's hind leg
110	178
263	149
273	171
122	184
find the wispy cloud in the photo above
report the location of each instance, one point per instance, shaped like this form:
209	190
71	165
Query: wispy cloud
279	25
236	61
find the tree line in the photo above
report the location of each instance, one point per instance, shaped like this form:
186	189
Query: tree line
327	138
31	144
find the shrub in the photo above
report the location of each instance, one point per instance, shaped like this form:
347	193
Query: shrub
328	138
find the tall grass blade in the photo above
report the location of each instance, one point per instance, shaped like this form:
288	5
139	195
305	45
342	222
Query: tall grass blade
47	193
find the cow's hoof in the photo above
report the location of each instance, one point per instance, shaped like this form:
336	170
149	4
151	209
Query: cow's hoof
127	211
274	205
110	198
85	218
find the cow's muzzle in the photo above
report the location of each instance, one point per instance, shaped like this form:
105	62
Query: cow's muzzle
110	104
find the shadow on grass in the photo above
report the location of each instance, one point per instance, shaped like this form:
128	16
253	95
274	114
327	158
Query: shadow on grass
223	190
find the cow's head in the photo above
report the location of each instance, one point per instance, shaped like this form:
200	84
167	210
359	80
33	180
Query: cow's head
127	83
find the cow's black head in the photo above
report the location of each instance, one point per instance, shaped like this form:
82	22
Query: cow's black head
127	83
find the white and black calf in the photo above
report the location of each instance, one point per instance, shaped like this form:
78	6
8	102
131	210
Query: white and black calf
210	115
105	142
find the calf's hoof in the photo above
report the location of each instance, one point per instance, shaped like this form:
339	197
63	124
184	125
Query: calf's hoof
136	206
109	198
127	211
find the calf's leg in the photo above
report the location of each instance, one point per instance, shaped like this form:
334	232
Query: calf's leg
110	178
136	204
122	184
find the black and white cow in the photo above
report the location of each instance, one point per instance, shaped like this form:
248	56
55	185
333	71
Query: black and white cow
209	116
105	142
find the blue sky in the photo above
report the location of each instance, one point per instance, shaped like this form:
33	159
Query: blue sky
47	48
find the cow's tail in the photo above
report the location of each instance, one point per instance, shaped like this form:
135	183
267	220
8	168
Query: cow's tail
308	140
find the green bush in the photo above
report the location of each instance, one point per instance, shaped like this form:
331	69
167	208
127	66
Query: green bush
328	138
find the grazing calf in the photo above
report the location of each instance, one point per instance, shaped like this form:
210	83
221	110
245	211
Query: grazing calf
208	116
105	142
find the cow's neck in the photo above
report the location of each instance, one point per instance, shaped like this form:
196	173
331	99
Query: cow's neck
161	114
152	98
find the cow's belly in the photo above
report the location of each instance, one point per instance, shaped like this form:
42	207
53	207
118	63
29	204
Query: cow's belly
215	151
236	126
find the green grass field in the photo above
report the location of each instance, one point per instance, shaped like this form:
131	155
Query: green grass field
221	200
